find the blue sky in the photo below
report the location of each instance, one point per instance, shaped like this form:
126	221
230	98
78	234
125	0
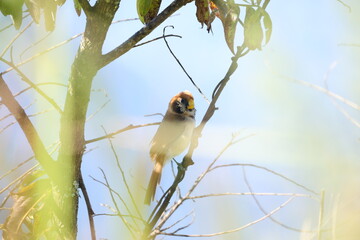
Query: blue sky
298	131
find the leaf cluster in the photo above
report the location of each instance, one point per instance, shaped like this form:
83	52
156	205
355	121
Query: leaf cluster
257	22
15	8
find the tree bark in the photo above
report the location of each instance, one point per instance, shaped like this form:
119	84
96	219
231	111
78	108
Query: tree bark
83	71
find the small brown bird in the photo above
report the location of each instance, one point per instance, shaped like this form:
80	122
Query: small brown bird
172	137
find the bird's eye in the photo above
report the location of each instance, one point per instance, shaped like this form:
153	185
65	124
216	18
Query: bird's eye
184	102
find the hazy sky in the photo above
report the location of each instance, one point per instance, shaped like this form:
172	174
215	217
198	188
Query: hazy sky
298	130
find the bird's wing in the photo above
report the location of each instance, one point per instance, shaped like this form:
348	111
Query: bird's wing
167	134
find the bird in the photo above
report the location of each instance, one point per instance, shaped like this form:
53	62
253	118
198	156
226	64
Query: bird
172	137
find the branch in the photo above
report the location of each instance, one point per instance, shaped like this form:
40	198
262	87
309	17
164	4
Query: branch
90	211
110	135
268	170
127	224
235	229
182	67
28	128
168	194
14	39
211	109
265	212
321	215
33	85
157	38
250	194
124	179
143	32
85	5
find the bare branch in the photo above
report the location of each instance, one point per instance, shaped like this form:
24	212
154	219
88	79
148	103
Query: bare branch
97	110
327	92
90	211
345	5
264	211
155	39
182	67
178	221
36	88
19	178
251	194
124	178
178	203
127	224
28	128
232	230
268	170
42	53
321	215
143	32
34	44
14	39
110	135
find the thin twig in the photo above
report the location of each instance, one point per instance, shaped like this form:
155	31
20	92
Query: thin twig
178	221
178	203
117	194
327	92
40	84
14	39
90	211
345	5
321	214
97	110
130	127
28	128
42	53
251	194
19	178
235	229
34	44
127	224
123	177
182	67
349	44
30	83
155	39
264	211
268	170
336	104
17	167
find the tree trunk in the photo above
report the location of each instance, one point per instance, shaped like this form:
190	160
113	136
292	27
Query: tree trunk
72	130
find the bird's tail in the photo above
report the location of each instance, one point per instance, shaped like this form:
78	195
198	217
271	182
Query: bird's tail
154	181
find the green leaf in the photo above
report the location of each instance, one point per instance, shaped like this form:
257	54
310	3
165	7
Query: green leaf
50	15
267	25
229	25
13	8
34	9
77	7
253	32
147	9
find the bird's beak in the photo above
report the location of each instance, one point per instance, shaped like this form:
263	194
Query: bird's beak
191	104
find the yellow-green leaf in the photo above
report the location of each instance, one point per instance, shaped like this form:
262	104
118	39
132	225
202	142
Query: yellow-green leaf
203	11
267	26
13	8
253	32
77	7
147	9
229	25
